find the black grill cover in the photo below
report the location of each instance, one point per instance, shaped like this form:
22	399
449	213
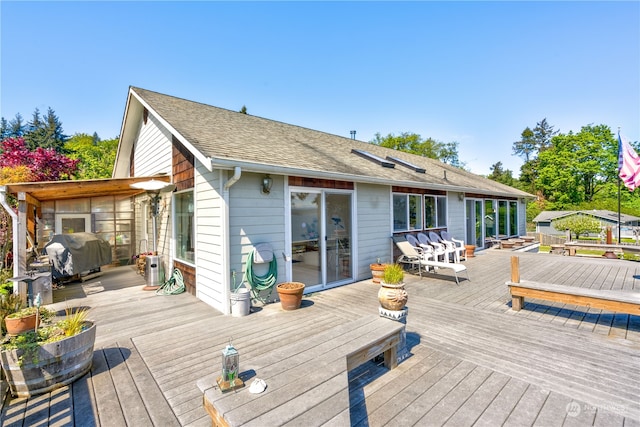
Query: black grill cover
75	253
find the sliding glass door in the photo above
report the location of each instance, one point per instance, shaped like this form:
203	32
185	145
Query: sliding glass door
321	234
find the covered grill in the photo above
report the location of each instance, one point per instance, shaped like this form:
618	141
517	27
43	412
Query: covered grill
75	253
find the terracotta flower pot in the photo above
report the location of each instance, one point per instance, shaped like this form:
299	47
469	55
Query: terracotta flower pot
290	294
18	325
376	271
470	250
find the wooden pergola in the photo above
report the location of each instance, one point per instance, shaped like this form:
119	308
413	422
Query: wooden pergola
30	196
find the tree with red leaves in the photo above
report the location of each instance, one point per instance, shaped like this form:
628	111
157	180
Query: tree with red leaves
45	164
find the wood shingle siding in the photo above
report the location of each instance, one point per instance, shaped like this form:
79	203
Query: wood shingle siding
182	166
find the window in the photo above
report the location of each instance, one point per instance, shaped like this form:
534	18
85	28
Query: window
407	212
502	218
435	211
513	218
183	226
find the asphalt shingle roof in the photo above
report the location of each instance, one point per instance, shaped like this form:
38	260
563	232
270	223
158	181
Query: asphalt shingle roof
233	136
545	216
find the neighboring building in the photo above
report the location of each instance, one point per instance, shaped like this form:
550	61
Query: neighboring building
327	205
544	221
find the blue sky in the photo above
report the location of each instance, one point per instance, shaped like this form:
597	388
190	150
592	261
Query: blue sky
476	73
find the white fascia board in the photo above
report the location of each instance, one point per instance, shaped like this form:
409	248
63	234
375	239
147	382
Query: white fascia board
122	136
198	155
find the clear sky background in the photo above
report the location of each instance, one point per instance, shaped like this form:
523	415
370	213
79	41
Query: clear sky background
477	73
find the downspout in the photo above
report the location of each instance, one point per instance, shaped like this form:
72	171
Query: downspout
237	172
226	271
14	223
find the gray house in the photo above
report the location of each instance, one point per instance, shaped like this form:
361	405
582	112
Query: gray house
544	221
326	205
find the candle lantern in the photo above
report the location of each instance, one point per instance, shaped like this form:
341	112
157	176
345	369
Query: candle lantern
230	369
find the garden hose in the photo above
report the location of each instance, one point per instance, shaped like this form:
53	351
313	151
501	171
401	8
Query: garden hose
173	286
260	283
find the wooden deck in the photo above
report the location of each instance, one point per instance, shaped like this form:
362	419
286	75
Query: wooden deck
473	360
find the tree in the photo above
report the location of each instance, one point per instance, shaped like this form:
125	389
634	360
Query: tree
414	144
13	129
45	132
578	225
243	110
498	174
543	133
531	144
526	147
96	157
45	164
576	167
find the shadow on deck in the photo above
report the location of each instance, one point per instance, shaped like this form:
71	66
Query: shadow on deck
473	360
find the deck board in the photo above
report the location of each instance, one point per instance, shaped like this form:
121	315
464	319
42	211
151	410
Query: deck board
472	360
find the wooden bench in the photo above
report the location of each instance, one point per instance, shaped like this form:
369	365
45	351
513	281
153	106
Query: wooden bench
307	381
618	301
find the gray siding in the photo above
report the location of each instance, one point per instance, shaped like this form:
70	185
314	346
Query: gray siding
256	218
455	216
374	227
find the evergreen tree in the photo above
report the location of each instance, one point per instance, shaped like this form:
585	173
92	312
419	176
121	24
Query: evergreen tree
13	129
499	174
45	132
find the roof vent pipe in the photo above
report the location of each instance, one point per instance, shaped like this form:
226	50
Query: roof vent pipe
445	174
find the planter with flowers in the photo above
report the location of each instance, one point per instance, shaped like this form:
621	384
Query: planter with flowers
63	350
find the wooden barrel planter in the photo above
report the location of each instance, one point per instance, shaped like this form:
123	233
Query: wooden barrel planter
49	366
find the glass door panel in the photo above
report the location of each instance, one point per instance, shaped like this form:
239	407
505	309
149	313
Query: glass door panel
305	233
474	223
338	240
489	219
479	236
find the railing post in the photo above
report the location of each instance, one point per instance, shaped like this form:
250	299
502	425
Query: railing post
517	302
515	269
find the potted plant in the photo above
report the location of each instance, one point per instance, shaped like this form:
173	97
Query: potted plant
9	303
470	250
64	350
376	270
25	319
290	294
392	295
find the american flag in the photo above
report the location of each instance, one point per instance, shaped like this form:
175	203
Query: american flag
628	164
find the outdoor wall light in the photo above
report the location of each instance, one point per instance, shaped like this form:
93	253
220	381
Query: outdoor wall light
230	369
461	196
267	182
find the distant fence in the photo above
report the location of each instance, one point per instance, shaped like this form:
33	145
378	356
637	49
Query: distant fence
548	240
